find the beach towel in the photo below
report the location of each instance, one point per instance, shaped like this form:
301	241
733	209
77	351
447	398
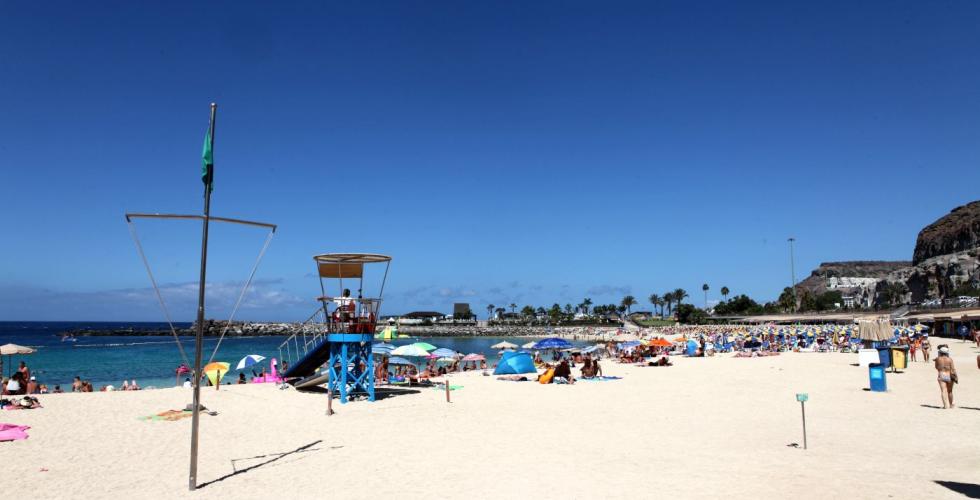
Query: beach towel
11	432
600	379
169	415
442	387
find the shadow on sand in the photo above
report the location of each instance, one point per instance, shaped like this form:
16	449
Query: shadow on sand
380	393
273	457
932	406
966	489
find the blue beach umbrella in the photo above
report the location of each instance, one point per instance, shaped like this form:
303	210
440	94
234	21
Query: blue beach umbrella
247	361
552	343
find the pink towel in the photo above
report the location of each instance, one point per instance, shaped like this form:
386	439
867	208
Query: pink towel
11	432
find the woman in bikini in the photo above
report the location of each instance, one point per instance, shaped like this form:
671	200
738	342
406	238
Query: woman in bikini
947	373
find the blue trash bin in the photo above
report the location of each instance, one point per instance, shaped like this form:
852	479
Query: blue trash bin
884	355
876	374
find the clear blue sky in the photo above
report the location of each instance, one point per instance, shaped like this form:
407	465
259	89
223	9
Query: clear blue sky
528	152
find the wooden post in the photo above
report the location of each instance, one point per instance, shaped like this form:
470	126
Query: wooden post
447	390
329	402
217	380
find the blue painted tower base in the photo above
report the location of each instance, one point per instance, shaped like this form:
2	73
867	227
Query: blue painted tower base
350	365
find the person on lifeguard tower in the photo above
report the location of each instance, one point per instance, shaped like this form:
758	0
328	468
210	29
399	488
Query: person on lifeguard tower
345	307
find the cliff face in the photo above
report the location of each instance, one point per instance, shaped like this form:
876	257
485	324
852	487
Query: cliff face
959	231
947	255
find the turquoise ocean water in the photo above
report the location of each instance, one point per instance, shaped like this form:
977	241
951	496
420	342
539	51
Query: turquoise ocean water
151	361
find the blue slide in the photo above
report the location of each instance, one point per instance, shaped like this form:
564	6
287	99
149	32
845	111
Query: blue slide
308	364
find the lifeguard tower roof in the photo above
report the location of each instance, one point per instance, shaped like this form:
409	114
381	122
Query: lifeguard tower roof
346	265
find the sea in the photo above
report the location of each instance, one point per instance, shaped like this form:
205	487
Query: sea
152	360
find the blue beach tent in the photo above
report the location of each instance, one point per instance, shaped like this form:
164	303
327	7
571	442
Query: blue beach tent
515	363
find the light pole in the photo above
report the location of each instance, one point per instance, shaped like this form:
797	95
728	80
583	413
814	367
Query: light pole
792	272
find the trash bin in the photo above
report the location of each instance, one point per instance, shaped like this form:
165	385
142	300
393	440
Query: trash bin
900	357
876	374
884	355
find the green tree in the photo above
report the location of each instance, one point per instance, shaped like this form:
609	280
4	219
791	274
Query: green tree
690	315
669	302
587	303
513	307
724	292
490	309
679	295
704	288
527	312
628	302
655	300
786	301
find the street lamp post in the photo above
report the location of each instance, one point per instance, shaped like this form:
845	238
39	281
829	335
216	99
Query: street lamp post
792	273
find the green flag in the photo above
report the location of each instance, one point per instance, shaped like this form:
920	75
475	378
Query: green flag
207	169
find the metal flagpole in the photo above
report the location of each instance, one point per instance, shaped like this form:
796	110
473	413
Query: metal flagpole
196	412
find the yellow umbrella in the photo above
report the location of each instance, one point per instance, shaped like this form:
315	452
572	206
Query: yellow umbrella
214	371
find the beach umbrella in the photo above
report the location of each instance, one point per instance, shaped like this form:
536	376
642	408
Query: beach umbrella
504	345
629	345
399	361
425	345
660	343
11	349
382	349
215	371
411	350
529	345
442	352
474	357
249	360
552	343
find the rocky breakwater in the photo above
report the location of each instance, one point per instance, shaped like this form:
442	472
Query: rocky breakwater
212	328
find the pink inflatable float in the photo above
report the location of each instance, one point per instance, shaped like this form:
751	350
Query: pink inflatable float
269	378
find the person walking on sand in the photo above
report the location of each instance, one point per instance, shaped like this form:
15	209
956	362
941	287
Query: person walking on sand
946	376
925	348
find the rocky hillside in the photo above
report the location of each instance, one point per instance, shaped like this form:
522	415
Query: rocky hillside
959	231
946	256
819	279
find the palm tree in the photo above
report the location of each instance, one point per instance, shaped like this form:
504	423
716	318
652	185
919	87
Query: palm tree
500	312
704	288
587	302
724	292
490	309
679	295
668	299
628	302
655	300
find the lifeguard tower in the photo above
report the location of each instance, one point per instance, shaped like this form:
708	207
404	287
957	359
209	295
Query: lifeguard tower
339	335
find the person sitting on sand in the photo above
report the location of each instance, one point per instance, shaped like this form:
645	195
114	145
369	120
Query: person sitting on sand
57	389
76	385
563	371
241	378
587	371
32	387
125	386
133	386
42	389
13	386
187	383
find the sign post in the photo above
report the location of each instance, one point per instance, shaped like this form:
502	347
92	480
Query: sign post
802	397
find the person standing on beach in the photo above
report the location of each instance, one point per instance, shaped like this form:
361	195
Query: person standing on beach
925	348
947	376
25	372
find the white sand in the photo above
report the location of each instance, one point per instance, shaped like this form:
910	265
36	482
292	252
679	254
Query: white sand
703	428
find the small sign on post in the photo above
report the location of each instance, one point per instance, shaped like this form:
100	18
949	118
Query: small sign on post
802	397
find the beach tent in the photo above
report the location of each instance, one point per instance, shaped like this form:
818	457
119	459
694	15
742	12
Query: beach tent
514	363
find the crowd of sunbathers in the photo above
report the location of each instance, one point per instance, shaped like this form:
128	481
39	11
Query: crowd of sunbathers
22	382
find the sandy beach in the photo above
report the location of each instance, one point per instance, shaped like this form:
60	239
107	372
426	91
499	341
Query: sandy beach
703	428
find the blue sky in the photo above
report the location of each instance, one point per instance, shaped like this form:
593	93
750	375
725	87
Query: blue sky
528	152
